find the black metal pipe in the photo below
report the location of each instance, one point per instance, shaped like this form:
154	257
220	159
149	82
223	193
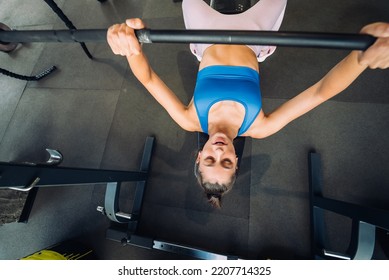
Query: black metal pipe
344	41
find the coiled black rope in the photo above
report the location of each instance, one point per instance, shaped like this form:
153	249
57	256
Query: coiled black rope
28	78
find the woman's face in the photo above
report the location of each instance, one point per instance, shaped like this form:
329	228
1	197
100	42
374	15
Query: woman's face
217	161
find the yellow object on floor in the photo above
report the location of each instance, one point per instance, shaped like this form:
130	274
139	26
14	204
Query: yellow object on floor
45	255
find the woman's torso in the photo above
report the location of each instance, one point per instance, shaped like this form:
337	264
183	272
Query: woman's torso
234	112
233	55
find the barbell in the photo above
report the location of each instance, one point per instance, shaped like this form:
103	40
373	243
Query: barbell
345	41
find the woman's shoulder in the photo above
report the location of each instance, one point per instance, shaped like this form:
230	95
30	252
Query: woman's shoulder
260	128
191	121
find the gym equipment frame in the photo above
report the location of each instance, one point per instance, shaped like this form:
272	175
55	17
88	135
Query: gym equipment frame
28	177
364	220
32	176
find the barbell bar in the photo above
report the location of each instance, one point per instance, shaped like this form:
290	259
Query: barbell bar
345	41
6	46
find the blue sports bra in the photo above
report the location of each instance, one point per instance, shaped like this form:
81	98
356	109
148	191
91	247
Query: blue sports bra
233	83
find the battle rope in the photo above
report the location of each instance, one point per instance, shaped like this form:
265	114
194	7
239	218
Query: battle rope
28	78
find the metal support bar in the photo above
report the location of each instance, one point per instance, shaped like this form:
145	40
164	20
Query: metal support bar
377	217
365	243
141	185
122	236
144	167
28	187
21	175
318	239
344	41
25	215
336	255
111	204
364	219
112	193
26	176
187	251
55	158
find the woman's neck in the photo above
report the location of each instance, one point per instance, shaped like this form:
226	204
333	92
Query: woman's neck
226	117
224	128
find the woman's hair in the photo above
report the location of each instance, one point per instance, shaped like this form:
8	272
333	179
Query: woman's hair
213	191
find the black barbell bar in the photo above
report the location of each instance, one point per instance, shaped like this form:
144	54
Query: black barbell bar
345	41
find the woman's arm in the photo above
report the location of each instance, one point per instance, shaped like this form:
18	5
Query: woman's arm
122	40
338	79
334	82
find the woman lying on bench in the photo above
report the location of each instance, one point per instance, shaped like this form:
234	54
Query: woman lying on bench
227	98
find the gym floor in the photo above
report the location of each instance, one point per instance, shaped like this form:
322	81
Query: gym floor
98	115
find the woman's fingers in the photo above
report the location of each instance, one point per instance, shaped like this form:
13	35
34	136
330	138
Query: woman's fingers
111	39
135	23
376	56
377	29
122	39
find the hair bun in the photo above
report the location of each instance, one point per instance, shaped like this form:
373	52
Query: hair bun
214	195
